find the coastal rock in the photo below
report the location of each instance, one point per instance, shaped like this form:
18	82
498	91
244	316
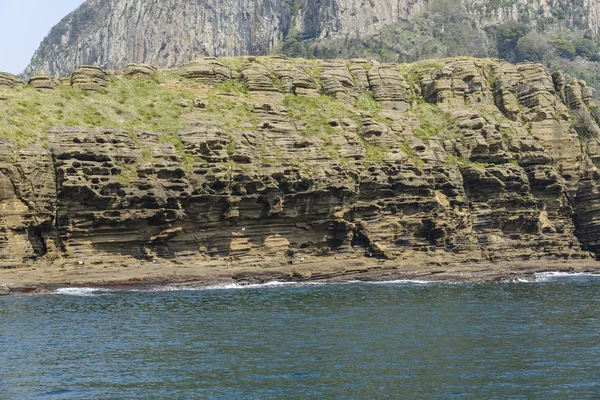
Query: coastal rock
43	81
207	70
278	161
258	78
9	80
88	77
140	71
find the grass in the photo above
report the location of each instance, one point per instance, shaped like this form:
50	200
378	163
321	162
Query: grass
366	102
233	86
374	154
234	63
434	122
231	113
317	113
129	105
162	105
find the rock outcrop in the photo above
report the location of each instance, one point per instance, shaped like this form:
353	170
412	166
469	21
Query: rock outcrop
88	77
140	71
43	81
284	160
8	80
166	33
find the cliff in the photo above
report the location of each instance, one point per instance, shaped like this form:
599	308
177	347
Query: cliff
268	161
111	33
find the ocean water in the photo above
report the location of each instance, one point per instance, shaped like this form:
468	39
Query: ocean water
536	339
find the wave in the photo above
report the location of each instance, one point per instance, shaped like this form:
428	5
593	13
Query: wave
88	292
539	277
397	282
82	291
546	276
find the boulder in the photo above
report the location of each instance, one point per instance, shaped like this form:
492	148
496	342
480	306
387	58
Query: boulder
140	71
88	77
208	70
43	81
8	80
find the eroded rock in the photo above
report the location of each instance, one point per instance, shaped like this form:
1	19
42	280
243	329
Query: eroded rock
140	71
43	81
8	80
91	78
441	168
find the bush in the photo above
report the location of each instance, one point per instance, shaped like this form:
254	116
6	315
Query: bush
584	124
534	47
586	48
507	37
564	48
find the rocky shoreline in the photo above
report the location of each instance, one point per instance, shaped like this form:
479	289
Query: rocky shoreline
270	168
148	277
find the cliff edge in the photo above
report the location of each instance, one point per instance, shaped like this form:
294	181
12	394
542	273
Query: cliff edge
270	162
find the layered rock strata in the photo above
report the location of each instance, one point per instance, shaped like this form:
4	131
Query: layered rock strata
282	161
8	80
43	81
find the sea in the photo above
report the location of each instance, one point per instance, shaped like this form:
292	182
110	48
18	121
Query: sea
535	338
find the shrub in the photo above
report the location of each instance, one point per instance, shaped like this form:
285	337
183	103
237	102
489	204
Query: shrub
564	48
507	37
584	124
534	47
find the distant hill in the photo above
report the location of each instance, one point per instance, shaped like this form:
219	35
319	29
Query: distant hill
111	33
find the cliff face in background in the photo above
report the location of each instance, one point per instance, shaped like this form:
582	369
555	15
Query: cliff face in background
166	33
274	161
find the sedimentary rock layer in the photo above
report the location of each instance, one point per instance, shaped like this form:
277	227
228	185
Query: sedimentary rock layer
283	160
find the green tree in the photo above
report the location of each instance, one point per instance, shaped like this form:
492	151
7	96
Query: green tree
507	38
564	48
586	48
534	47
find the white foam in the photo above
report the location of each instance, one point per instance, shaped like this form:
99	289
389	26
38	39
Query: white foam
396	282
81	291
545	276
260	285
525	280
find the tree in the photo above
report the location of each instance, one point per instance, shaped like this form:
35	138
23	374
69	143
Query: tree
586	48
534	47
564	48
507	37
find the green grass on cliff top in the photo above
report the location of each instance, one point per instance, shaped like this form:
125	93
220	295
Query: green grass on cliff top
128	104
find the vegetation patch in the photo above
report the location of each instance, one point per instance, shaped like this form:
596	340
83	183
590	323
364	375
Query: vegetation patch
434	122
318	115
127	104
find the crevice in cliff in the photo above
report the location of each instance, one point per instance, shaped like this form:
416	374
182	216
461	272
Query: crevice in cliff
36	238
58	240
361	240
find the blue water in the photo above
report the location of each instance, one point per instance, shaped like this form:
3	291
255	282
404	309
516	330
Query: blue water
537	340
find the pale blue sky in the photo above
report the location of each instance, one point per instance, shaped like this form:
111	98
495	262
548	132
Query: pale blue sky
23	25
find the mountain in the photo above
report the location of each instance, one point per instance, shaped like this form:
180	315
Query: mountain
165	33
307	168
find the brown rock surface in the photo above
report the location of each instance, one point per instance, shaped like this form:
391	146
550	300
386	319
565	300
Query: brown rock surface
141	71
8	80
441	170
43	81
88	77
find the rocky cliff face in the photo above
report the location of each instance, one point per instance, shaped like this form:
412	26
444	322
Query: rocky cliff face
273	161
111	34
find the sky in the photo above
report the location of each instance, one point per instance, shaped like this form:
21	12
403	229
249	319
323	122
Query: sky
23	26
